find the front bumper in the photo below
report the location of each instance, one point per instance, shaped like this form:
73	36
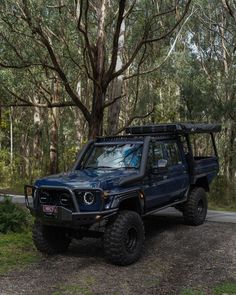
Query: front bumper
63	216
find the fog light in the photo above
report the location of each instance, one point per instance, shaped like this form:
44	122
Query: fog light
44	197
64	199
89	198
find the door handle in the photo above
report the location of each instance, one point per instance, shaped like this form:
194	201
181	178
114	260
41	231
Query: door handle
165	177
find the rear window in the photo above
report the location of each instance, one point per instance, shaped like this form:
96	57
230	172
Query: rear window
173	156
202	145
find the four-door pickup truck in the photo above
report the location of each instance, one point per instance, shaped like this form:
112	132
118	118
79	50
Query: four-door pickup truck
117	181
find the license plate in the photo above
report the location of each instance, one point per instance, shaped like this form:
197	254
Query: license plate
51	209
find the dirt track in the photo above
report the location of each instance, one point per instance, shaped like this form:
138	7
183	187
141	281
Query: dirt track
176	256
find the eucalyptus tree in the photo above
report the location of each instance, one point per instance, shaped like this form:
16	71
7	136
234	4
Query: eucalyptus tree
79	42
214	41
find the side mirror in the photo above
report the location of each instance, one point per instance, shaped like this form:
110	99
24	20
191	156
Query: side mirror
162	163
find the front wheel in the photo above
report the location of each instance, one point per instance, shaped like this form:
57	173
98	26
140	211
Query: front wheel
195	209
50	240
124	238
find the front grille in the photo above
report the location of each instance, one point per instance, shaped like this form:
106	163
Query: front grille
58	197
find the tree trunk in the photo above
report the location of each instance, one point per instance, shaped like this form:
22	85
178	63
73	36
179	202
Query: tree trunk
11	137
96	122
53	134
116	88
99	89
53	115
37	146
232	137
80	122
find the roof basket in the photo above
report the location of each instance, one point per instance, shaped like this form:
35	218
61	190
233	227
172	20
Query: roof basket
179	128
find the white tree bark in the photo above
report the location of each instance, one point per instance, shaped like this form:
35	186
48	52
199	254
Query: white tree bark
11	136
116	87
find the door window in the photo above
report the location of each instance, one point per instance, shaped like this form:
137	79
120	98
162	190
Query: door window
172	154
155	154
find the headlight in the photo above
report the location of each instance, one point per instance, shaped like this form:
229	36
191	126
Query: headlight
89	198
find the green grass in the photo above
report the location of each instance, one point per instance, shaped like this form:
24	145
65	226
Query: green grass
189	291
228	288
16	250
213	206
151	283
83	288
73	289
17	188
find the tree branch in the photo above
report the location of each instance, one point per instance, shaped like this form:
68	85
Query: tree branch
168	54
83	28
132	119
52	105
113	101
115	46
228	8
146	40
44	39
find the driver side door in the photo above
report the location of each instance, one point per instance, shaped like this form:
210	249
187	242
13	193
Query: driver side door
155	182
166	185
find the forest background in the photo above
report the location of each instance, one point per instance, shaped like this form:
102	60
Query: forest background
73	70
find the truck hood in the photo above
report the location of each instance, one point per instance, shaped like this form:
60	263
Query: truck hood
89	178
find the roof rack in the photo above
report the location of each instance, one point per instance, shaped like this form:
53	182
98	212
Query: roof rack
179	128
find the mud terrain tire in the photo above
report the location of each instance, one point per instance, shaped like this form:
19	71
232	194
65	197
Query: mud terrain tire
195	209
50	240
124	238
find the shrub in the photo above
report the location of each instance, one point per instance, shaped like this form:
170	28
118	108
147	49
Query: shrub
223	193
13	218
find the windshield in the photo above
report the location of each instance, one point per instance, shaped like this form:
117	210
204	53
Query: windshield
114	156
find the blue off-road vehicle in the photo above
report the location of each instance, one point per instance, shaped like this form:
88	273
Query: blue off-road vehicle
117	181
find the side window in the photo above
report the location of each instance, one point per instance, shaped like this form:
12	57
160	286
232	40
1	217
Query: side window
158	152
155	154
172	153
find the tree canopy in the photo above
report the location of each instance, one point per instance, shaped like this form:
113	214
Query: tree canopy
72	70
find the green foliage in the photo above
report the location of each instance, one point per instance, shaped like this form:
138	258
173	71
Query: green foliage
223	194
193	84
4	166
16	250
13	218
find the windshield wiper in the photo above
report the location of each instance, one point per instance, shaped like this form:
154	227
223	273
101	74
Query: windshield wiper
97	167
128	167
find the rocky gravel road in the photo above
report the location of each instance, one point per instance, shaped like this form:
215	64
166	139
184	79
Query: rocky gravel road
176	256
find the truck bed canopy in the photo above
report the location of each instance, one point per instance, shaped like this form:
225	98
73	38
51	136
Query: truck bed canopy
179	128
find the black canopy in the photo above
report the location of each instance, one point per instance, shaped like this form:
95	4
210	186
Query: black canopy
174	128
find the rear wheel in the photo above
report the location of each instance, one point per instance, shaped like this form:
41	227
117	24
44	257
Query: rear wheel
195	209
50	240
124	238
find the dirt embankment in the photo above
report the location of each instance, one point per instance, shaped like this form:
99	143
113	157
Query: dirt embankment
176	257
